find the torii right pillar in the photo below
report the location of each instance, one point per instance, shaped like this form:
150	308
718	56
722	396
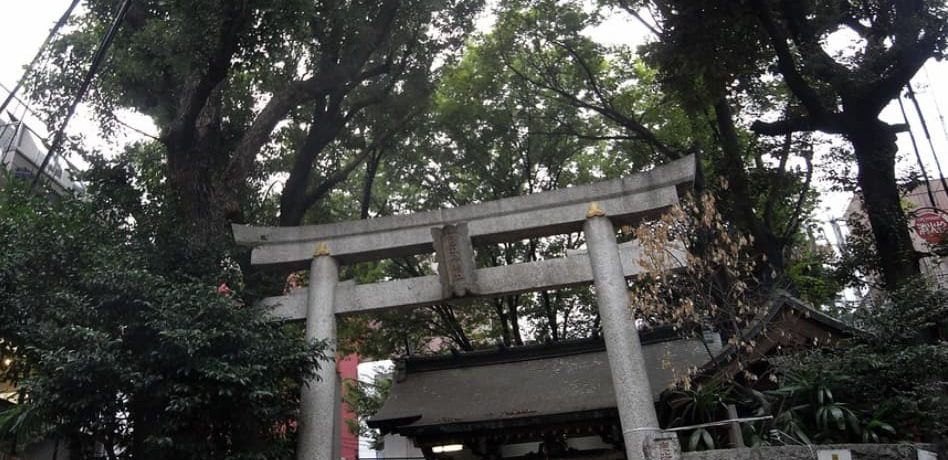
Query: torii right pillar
629	374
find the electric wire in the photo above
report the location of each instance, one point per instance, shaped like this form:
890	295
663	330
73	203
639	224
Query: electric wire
97	59
23	104
941	118
918	155
29	68
18	126
931	145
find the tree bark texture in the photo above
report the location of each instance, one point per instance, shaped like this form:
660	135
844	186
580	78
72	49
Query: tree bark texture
874	147
739	200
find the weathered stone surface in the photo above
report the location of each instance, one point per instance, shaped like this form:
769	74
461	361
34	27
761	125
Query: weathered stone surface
663	446
317	438
540	214
629	371
455	255
492	281
859	451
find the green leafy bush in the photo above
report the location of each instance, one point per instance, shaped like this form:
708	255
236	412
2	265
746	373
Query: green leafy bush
103	348
888	383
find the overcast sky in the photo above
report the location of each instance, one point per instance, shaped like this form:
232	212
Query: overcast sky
29	22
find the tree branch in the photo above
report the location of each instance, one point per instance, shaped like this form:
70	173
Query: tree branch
624	4
371	169
807	40
334	179
904	61
643	133
292	94
794	125
795	218
787	64
778	181
194	98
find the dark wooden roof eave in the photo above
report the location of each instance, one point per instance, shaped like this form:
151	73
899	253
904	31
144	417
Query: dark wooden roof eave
780	303
530	352
592	420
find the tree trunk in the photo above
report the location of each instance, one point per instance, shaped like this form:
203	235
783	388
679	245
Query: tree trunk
513	316
202	211
143	415
203	206
874	146
502	315
75	447
293	201
739	205
371	169
550	311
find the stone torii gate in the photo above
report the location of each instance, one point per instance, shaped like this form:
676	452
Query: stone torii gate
453	233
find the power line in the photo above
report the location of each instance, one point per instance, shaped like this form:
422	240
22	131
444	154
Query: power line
97	59
941	118
17	126
918	155
29	68
931	145
24	104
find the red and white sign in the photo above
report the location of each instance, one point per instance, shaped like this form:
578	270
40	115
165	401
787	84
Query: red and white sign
931	226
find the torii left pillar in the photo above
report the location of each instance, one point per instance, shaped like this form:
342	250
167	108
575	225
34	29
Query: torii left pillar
318	435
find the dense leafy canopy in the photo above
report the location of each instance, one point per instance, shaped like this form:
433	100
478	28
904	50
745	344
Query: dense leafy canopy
301	85
104	348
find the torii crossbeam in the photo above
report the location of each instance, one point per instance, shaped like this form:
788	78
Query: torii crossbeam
453	234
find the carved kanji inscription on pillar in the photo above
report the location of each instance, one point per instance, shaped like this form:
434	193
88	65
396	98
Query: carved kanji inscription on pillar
455	260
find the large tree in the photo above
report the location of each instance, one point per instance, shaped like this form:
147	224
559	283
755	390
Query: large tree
652	118
488	135
536	104
220	79
729	43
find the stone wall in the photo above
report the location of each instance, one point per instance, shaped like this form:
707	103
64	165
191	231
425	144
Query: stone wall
859	452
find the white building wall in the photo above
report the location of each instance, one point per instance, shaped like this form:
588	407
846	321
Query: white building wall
395	446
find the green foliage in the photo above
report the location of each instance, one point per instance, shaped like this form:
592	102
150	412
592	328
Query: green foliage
805	405
812	276
908	316
365	399
695	406
20	426
887	383
251	93
615	96
106	348
705	48
517	114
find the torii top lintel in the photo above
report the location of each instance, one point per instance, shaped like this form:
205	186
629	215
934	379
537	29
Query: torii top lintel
627	200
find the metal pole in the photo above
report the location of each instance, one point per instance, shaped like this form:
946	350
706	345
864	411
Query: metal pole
317	438
629	376
734	434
